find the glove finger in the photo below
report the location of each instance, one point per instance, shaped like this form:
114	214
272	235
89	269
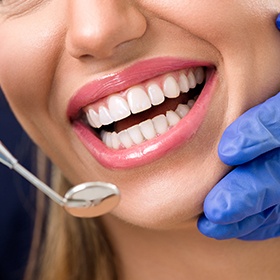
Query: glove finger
245	191
278	22
269	229
245	229
264	233
252	134
212	230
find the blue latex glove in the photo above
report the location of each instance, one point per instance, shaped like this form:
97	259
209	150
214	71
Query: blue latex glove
245	204
278	22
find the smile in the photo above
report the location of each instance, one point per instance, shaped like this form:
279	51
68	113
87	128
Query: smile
136	116
114	119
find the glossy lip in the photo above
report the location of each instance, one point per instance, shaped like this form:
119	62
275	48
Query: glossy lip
150	150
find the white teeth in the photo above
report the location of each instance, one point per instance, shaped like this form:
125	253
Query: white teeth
171	88
125	139
93	118
192	80
148	130
160	124
136	134
182	110
184	83
106	138
115	141
141	98
199	75
191	103
104	116
138	100
172	118
155	93
118	108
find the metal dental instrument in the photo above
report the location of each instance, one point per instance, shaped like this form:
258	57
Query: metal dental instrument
87	200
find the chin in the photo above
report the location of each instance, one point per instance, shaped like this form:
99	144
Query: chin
172	197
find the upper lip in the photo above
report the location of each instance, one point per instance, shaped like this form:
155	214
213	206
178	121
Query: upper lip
120	81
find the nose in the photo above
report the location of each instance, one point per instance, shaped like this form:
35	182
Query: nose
96	28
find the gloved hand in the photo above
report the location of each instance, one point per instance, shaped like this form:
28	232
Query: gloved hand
245	204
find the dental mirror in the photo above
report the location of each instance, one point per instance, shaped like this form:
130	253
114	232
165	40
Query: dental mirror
86	200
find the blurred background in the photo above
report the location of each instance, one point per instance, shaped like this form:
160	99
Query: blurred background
17	198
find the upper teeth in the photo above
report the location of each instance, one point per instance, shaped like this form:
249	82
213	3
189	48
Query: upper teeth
142	97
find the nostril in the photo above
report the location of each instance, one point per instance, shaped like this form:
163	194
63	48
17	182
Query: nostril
83	43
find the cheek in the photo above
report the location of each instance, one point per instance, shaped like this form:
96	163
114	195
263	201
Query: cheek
28	60
223	24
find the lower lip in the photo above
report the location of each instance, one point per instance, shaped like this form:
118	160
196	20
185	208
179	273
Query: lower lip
156	148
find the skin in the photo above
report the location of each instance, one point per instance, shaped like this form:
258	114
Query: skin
52	48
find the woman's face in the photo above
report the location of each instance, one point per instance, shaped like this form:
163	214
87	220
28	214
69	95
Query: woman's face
69	65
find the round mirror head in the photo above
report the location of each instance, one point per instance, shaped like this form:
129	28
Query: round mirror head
100	199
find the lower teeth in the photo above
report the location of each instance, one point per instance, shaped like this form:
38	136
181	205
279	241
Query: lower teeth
146	130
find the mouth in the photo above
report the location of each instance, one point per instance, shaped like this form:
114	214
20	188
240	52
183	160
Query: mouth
137	116
146	111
